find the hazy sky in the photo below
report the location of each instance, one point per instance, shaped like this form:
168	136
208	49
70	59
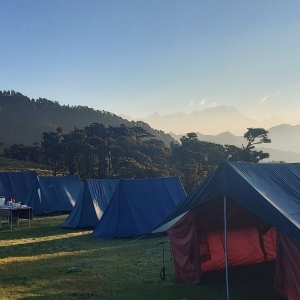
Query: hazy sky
140	56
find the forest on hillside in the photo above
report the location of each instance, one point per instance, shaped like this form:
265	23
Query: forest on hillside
23	120
99	151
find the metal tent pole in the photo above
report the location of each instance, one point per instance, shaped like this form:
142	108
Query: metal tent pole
225	248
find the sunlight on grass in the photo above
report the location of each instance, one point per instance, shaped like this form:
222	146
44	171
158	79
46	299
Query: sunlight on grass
39	263
43	238
43	256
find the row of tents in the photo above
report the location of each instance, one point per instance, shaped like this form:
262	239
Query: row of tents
125	207
240	214
114	207
44	194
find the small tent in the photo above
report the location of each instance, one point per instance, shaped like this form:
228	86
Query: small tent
241	214
21	186
90	207
138	206
56	194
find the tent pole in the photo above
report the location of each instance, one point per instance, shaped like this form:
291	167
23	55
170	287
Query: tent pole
225	248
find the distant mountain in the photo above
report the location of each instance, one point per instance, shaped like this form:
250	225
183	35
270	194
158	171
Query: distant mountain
222	138
285	137
295	122
127	117
285	145
209	121
278	155
23	120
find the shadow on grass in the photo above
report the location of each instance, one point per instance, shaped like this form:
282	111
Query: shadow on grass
131	275
106	276
253	282
51	246
74	296
39	227
63	242
116	269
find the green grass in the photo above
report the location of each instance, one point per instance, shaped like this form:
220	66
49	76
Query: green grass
34	264
14	165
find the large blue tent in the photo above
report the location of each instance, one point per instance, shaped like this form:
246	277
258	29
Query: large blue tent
22	186
138	206
270	191
90	207
57	194
43	194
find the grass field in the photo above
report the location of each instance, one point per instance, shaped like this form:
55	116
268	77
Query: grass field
14	165
48	262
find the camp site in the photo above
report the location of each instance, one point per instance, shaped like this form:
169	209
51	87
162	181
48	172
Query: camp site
149	149
235	236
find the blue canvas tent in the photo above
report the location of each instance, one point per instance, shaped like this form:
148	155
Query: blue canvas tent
234	218
274	190
43	194
90	207
57	194
22	186
138	206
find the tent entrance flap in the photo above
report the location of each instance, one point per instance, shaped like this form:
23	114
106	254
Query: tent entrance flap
249	239
259	198
246	240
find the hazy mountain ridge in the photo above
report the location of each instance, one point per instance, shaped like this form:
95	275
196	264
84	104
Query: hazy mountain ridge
279	155
23	120
210	121
285	145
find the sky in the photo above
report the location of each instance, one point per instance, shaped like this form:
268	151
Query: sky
138	57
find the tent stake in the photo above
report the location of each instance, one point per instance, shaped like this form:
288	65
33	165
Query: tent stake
225	248
163	270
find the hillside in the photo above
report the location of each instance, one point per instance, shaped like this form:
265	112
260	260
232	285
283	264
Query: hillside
23	120
14	165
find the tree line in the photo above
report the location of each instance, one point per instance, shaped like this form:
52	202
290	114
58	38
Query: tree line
99	151
22	120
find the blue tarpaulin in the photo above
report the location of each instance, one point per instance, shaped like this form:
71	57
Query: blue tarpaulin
270	191
43	194
92	203
138	206
22	186
57	194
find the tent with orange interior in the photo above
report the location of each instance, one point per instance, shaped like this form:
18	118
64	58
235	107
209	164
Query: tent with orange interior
241	214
